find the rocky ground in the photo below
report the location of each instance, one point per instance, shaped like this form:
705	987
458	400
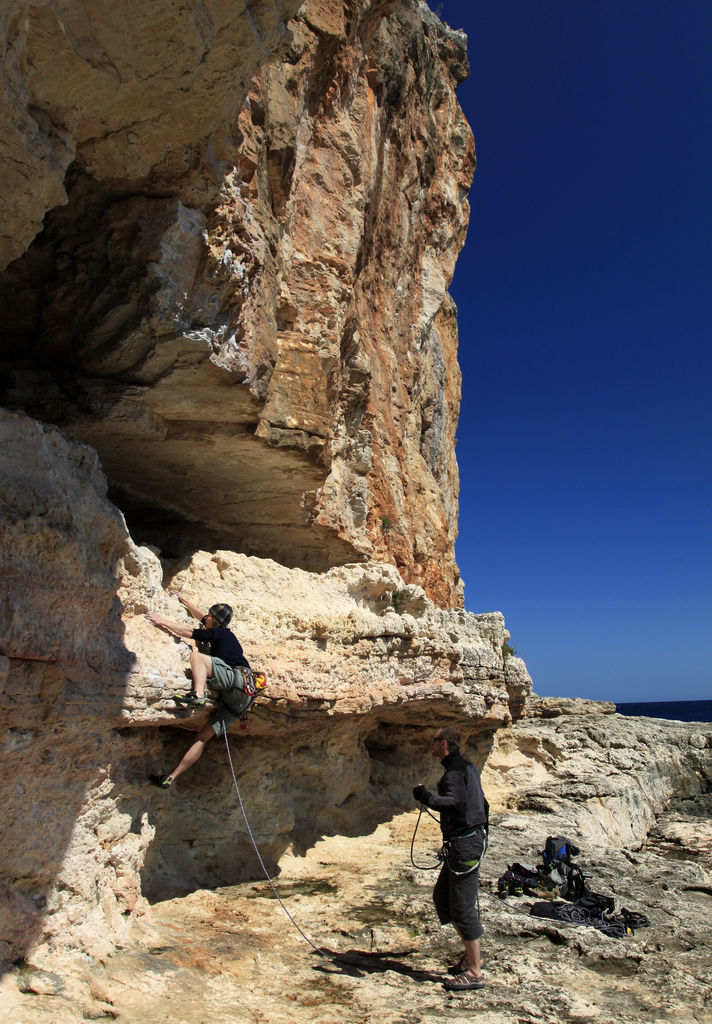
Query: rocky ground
232	954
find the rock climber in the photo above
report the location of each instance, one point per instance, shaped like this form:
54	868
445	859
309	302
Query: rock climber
464	815
221	670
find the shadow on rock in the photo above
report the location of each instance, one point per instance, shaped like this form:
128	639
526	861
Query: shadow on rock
357	963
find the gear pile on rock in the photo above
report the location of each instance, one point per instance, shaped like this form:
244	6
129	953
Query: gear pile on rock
564	892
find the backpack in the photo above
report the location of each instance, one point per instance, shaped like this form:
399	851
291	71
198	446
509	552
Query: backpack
559	871
560	849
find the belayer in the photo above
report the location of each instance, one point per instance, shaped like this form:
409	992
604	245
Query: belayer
464	814
224	669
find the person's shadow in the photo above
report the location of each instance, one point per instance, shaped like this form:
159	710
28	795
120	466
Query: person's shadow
357	963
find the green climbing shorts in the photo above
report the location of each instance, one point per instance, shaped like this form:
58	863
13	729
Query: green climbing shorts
223	677
221	719
232	700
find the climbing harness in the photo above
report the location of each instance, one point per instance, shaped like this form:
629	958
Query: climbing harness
317	949
444	852
470	865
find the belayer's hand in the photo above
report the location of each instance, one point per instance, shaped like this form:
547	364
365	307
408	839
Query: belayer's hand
421	794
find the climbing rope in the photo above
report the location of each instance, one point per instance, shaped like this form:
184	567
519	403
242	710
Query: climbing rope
420	867
573	918
317	949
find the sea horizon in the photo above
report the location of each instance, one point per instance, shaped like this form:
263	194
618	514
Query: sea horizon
671	710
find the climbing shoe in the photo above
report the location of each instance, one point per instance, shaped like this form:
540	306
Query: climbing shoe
191	700
162	781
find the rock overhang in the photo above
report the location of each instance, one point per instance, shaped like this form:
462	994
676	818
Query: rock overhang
245	299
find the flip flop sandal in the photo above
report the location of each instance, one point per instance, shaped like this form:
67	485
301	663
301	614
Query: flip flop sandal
464	982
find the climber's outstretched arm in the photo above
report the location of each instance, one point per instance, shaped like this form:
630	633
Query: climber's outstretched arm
193	609
176	628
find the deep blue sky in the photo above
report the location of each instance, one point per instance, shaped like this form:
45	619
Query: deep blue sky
584	315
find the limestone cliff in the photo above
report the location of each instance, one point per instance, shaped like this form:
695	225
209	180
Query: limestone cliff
242	304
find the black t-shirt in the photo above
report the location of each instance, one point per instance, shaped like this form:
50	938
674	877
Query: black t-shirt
223	644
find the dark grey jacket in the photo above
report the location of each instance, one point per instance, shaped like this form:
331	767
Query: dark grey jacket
460	800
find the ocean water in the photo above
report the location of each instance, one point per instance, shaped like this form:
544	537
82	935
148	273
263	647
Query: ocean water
674	710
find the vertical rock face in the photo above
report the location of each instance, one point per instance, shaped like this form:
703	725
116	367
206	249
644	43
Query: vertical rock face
68	857
243	305
374	168
229	230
